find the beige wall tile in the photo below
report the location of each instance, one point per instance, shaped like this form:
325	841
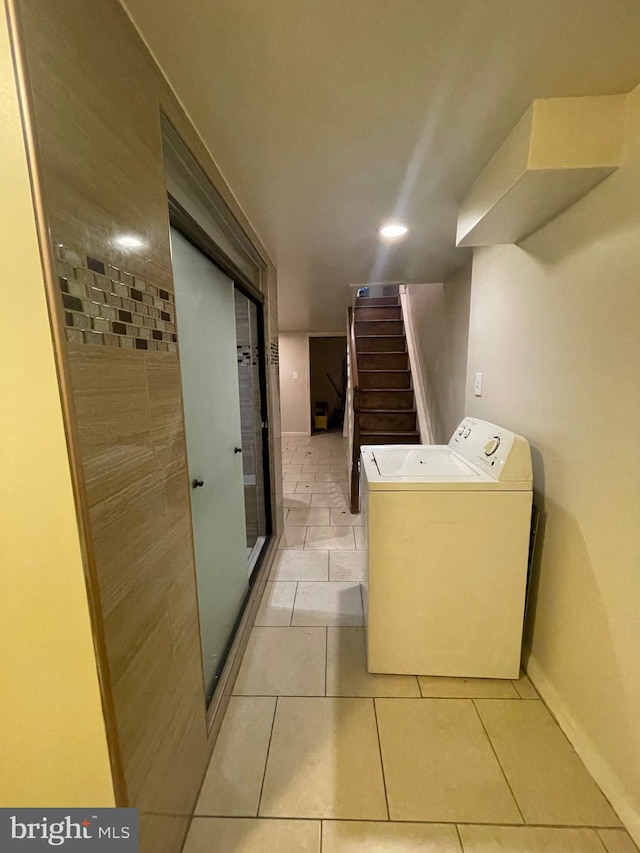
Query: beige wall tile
324	761
376	837
439	765
217	835
233	781
548	779
283	662
347	673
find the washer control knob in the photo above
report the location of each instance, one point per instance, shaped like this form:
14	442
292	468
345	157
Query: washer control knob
461	429
467	433
492	445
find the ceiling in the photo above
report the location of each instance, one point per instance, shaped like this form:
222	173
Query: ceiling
329	116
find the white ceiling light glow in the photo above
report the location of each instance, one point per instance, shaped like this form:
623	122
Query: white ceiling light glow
128	241
393	230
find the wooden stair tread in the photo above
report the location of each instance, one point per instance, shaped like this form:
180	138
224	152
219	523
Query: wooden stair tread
389	411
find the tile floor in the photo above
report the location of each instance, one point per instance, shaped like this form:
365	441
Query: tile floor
316	754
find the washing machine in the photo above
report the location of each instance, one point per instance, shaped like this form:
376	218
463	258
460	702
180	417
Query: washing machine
447	531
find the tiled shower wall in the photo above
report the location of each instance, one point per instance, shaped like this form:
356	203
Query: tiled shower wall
96	99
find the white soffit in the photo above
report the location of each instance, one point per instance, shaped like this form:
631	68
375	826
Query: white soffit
559	150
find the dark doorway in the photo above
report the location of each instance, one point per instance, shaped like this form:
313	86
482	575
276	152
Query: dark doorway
327	380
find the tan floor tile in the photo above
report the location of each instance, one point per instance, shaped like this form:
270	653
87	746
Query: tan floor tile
332	477
309	516
289	488
347	566
276	606
219	835
347	673
328	604
361	540
329	500
548	779
528	839
292	537
298	477
291	469
283	662
233	781
317	468
439	765
313	488
324	761
342	517
298	565
331	538
525	688
355	836
617	841
466	688
297	501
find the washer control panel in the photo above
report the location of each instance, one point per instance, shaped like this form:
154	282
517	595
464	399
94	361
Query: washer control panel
503	454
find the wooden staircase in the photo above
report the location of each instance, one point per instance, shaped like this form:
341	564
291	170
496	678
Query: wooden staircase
383	402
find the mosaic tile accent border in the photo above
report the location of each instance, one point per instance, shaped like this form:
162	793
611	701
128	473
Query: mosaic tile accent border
247	355
107	306
274	353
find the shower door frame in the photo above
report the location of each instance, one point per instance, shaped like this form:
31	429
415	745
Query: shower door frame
181	220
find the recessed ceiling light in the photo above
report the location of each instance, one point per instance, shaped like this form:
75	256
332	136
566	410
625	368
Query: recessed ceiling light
129	241
393	230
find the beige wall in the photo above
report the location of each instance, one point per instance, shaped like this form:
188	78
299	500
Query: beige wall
295	400
555	328
439	315
53	748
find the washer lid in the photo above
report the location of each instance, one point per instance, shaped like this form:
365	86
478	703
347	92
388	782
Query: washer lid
437	462
424	467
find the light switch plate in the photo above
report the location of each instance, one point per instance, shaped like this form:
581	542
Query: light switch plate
294	375
477	385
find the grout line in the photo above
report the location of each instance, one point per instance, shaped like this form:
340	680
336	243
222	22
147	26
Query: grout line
459	837
295	596
326	656
321	834
413	822
384	779
475	707
264	774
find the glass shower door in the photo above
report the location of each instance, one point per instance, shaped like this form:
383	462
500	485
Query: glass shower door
251	417
205	306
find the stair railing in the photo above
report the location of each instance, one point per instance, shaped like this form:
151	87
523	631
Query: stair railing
354	476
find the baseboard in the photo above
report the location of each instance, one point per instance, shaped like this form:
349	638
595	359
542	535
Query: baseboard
286	434
596	764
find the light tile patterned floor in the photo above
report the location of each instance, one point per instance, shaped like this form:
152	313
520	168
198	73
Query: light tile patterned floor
317	754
